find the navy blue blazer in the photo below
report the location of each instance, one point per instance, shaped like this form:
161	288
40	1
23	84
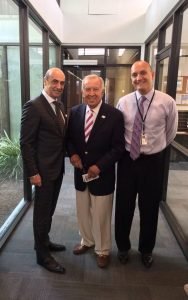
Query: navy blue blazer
104	147
41	139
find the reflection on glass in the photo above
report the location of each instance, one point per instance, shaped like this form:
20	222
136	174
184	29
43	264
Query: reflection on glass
118	84
73	84
122	56
84	56
97	56
91	51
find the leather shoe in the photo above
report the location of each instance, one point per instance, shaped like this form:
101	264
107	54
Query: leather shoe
123	257
147	259
103	260
80	249
56	247
50	264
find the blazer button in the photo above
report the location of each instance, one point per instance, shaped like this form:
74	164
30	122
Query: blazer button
86	152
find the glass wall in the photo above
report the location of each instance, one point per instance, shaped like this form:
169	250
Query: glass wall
153	48
118	83
168	35
112	63
11	185
35	59
182	81
175	82
163	74
15	87
52	54
178	175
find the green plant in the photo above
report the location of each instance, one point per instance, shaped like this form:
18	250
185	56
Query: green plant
10	158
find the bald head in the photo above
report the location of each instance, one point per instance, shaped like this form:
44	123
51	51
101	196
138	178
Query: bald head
54	81
142	76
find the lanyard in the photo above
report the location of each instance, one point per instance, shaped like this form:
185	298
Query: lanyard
143	118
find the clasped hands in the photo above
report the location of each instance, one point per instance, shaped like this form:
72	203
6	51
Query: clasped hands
93	170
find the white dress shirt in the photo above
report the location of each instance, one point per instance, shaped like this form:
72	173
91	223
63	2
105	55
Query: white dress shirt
160	123
50	101
94	110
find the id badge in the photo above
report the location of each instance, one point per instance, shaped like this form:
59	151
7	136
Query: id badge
144	139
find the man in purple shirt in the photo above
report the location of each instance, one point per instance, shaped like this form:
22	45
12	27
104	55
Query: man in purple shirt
140	171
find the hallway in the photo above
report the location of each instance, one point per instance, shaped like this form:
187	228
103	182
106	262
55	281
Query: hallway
22	279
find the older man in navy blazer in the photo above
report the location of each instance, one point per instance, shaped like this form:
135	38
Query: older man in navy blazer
43	148
94	157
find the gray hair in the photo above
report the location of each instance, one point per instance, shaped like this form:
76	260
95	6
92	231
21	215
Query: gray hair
93	76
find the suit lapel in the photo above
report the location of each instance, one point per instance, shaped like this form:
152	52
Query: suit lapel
81	118
49	109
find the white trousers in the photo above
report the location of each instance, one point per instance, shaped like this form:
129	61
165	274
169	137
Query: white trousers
94	215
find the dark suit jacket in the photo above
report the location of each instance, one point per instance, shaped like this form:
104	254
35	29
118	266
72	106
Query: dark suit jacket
41	139
104	147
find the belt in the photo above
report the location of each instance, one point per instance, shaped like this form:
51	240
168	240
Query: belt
147	156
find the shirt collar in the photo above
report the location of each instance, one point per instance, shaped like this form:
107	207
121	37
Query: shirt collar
48	98
96	109
148	95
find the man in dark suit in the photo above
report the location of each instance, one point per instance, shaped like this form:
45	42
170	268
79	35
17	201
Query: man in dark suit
42	147
94	154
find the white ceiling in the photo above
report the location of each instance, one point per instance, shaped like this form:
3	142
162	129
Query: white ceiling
119	7
133	7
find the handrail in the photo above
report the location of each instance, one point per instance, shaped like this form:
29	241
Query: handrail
183	150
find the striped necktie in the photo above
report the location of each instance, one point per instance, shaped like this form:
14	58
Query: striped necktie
137	130
60	118
88	124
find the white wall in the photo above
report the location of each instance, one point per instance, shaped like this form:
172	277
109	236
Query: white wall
49	10
82	28
127	26
157	11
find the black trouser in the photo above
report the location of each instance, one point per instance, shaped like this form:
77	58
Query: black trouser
142	177
45	202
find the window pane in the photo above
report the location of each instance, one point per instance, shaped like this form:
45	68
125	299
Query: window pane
182	82
11	185
122	56
152	54
118	84
84	56
168	35
9	22
35	59
163	74
13	55
52	54
178	174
